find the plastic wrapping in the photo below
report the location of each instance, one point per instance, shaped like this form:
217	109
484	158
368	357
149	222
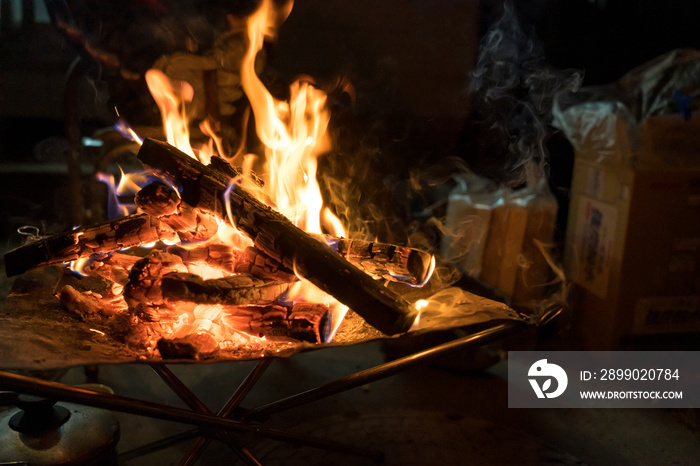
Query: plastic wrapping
605	122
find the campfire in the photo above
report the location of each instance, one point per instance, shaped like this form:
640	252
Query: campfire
207	256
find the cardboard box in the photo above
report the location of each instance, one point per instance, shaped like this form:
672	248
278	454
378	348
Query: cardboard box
633	235
502	237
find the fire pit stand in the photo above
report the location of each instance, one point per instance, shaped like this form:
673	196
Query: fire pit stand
232	420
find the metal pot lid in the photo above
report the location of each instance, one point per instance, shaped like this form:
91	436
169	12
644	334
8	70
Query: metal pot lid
74	434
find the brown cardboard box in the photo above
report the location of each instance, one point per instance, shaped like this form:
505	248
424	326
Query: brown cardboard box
535	273
514	261
633	236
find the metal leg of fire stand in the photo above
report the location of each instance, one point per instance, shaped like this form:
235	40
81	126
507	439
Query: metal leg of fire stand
158	445
384	370
180	388
61	392
168	442
220	426
233	402
195	404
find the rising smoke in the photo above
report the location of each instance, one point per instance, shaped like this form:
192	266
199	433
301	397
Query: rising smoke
513	89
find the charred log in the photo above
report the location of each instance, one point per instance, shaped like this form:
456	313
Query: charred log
87	305
161	278
306	321
126	232
205	188
114	267
255	262
395	263
78	303
145	276
235	290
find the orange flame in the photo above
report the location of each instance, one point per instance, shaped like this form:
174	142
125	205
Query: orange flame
172	97
294	134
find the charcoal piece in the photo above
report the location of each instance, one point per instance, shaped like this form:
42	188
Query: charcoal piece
307	321
145	276
271	321
234	290
300	321
157	199
196	346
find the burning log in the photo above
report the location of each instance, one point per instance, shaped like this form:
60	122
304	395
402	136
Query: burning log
180	221
217	255
86	305
207	189
234	290
126	232
395	263
114	267
255	262
302	320
379	260
191	224
161	277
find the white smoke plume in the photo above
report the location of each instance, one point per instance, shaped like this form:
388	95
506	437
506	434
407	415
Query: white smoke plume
513	89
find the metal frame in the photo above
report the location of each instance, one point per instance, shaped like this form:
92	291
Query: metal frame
231	420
